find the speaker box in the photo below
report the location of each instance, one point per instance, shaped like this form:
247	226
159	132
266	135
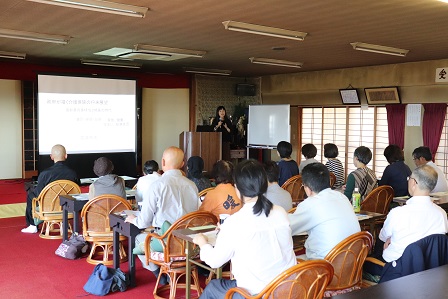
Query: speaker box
244	89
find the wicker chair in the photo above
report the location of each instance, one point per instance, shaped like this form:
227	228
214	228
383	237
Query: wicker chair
294	186
306	280
332	179
46	207
347	259
378	201
96	227
173	258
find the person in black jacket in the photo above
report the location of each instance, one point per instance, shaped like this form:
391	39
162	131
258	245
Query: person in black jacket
222	123
58	171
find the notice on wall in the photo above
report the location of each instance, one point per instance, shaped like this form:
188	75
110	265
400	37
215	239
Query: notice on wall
442	75
413	115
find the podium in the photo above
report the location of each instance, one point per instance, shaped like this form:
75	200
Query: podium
207	145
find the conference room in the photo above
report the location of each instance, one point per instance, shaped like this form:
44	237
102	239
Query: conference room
170	65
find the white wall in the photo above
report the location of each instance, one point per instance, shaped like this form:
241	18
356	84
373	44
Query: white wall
10	129
165	114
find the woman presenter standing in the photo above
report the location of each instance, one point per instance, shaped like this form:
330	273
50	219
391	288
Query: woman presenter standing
221	123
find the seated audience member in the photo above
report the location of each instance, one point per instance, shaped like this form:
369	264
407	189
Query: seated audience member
275	193
195	166
333	164
287	166
325	214
171	197
107	183
419	218
257	238
397	172
58	171
422	156
151	174
309	151
363	177
223	199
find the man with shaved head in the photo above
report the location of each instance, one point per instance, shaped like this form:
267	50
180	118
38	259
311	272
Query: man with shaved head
170	197
58	171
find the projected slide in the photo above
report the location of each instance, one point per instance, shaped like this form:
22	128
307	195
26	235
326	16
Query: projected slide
86	115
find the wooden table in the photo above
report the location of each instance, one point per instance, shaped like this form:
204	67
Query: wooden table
442	201
299	240
129	230
429	284
186	234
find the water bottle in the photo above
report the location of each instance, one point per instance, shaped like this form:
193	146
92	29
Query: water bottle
356	201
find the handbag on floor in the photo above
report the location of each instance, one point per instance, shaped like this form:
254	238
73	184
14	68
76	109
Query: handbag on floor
104	280
72	248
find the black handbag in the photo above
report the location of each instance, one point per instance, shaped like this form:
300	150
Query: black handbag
73	248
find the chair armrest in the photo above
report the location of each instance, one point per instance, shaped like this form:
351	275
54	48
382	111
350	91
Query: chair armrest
34	204
241	291
375	261
148	245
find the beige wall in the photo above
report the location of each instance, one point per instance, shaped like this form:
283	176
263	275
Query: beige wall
10	129
164	117
415	81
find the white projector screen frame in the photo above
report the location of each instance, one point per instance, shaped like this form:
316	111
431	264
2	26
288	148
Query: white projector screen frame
86	114
268	125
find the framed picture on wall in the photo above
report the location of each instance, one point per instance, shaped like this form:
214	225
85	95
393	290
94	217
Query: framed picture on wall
349	96
382	96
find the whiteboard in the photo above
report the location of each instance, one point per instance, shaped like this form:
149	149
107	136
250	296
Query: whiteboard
268	125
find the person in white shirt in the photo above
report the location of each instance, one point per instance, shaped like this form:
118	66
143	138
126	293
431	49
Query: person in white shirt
420	217
170	197
150	171
422	156
275	193
257	238
309	151
326	215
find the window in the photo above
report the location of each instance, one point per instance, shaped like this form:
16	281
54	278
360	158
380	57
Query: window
348	128
441	158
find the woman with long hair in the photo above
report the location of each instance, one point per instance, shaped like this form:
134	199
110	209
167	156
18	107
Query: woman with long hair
257	239
222	123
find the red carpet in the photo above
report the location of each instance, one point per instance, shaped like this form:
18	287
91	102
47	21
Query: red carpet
12	191
32	270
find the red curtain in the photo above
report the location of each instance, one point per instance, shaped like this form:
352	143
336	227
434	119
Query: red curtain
395	124
433	120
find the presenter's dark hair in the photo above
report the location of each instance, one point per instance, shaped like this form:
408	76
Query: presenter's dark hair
364	154
272	171
309	150
217	112
422	151
222	172
316	177
250	179
150	166
393	153
331	150
284	148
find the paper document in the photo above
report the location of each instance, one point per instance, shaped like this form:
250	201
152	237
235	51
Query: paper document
211	236
362	216
81	196
438	194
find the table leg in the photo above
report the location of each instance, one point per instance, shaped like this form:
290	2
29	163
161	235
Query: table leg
131	258
75	222
64	223
188	251
116	246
